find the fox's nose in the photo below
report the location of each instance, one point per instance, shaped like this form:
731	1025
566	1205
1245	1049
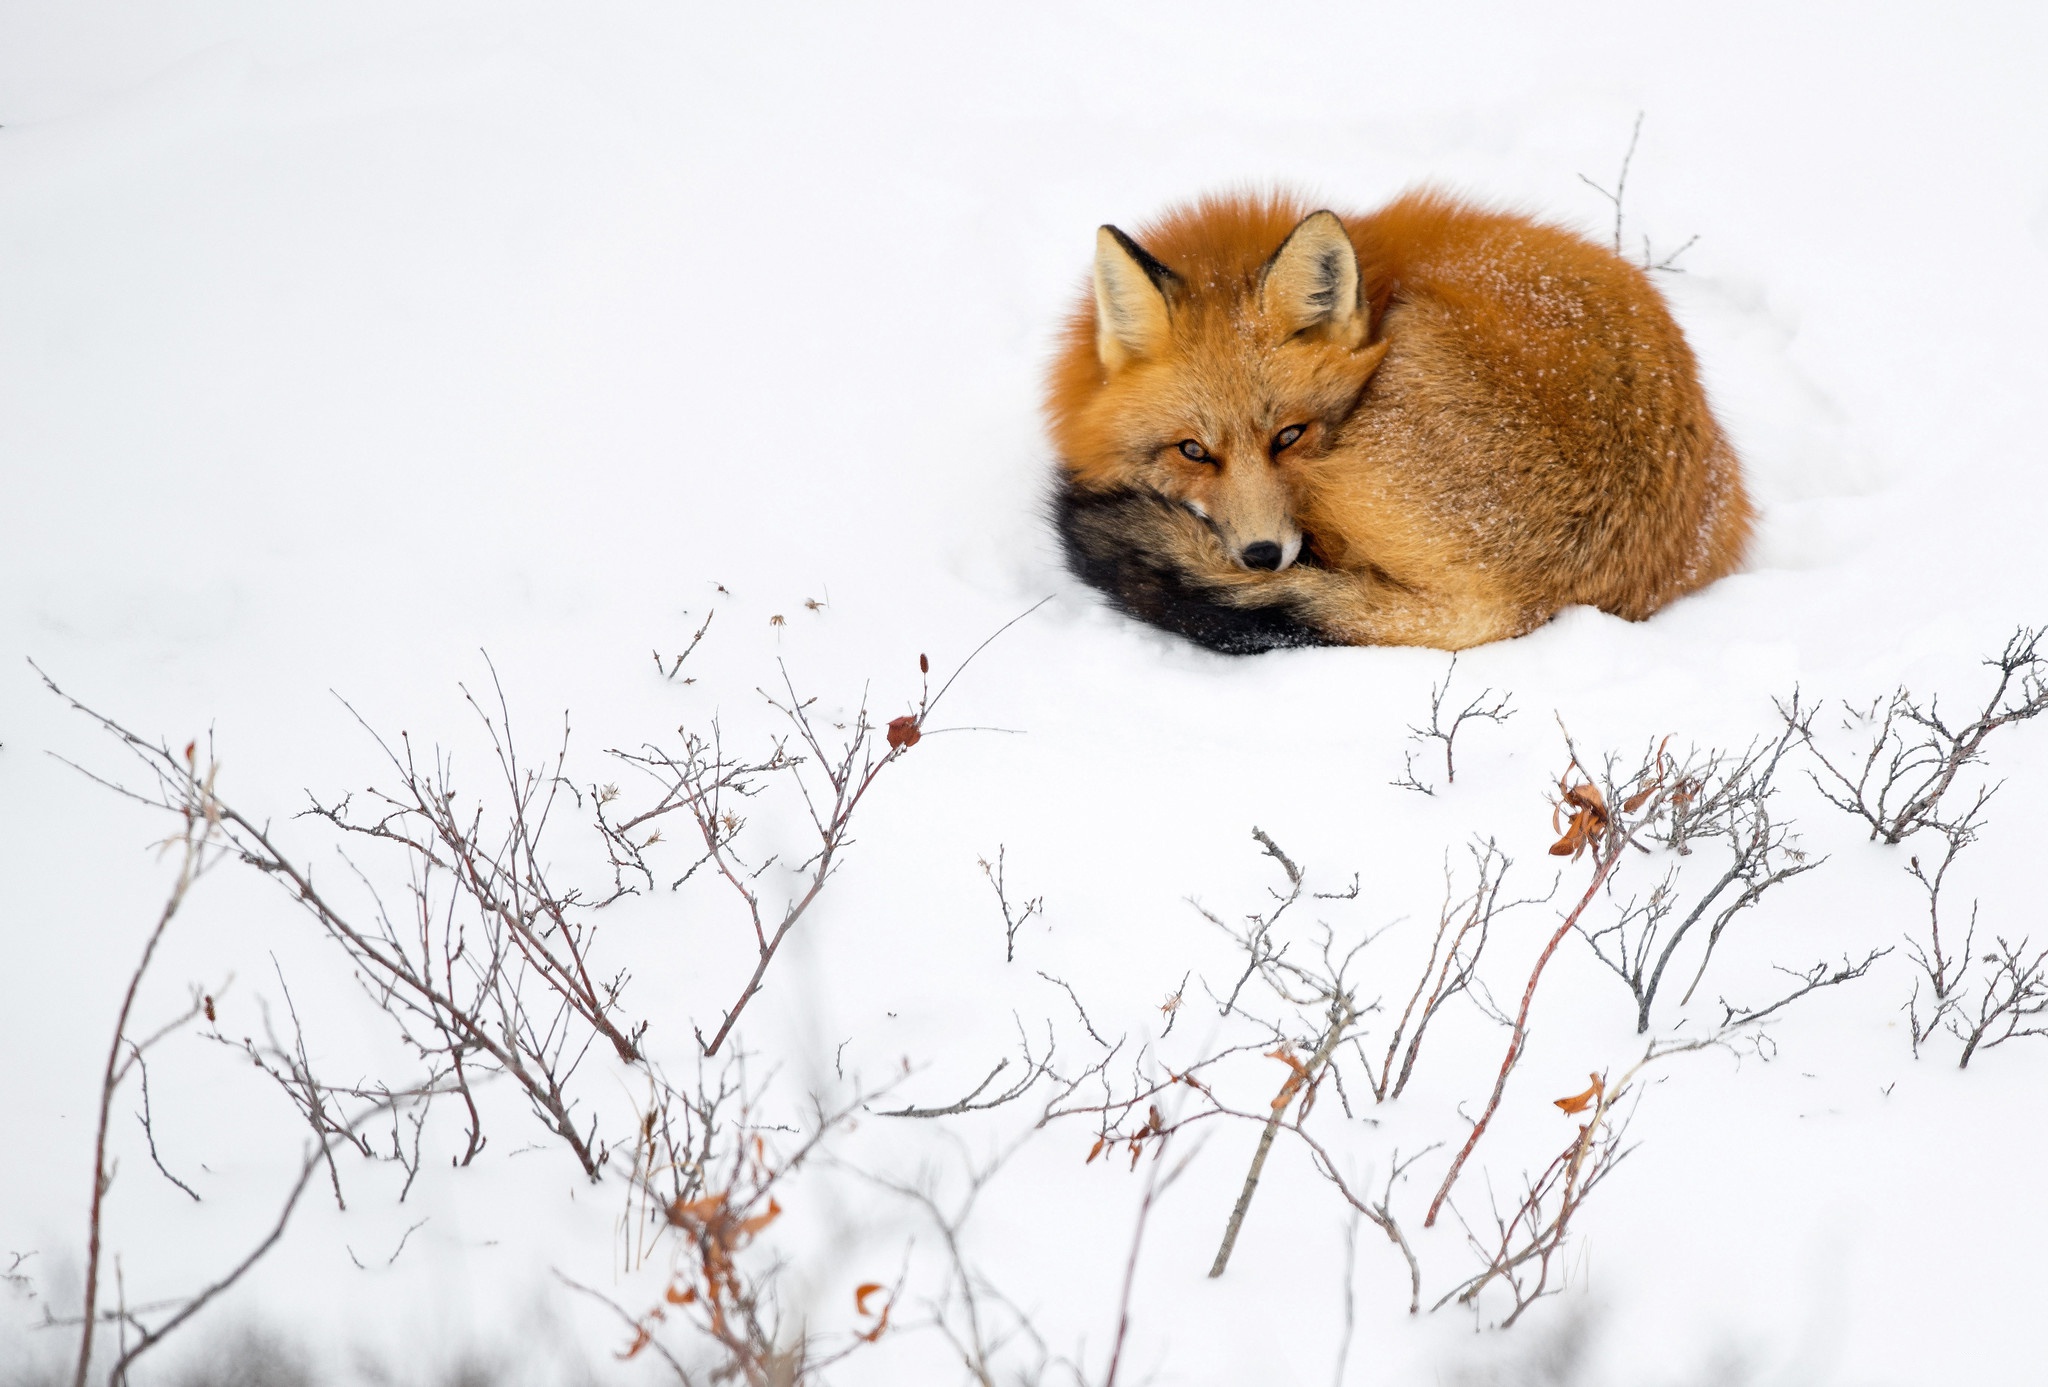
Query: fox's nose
1265	554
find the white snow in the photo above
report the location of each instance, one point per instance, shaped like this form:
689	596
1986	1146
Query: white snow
339	344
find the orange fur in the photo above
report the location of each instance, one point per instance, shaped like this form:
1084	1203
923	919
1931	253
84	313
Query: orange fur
1522	430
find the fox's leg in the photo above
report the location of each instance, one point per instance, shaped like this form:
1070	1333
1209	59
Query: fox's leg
1166	566
1349	607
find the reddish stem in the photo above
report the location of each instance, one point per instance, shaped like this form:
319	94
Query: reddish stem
1520	1035
111	1080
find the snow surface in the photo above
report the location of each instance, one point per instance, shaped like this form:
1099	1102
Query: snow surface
341	343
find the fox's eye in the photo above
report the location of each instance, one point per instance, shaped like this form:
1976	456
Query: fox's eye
1288	437
1193	451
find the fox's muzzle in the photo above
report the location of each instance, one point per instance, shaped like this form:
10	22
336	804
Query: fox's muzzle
1271	556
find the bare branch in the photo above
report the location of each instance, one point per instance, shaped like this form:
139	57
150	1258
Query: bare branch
1155	1185
1914	753
1484	708
1014	918
1343	1014
149	1126
1621	181
199	845
676	666
1462	930
1650	261
1715	799
1034	1069
1812	980
632	1323
1602	823
192	1305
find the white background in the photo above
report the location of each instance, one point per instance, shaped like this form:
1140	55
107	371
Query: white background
341	343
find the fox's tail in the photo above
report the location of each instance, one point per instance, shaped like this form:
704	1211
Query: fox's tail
1130	545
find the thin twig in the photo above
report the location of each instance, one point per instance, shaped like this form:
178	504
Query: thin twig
1154	1187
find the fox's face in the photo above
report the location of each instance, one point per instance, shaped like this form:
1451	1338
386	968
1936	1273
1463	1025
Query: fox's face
1217	390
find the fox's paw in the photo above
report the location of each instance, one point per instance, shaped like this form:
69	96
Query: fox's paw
1162	564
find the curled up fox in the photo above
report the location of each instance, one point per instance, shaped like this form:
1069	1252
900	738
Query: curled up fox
1432	425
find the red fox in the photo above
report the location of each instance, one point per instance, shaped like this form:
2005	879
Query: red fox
1434	425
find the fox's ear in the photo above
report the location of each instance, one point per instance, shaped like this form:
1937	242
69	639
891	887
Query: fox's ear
1312	282
1130	299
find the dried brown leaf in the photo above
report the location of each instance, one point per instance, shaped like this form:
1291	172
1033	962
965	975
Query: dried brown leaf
1579	1102
751	1226
880	1324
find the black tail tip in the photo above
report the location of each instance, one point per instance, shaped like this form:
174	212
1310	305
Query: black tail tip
1105	536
